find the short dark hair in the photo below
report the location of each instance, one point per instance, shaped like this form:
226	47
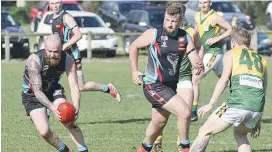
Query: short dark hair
175	7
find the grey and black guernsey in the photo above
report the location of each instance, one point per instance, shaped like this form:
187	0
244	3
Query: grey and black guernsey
162	70
50	75
164	58
64	31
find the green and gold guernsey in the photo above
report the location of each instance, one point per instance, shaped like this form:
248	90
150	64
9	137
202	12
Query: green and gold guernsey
246	91
185	66
206	31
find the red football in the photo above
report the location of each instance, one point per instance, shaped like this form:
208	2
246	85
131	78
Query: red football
67	112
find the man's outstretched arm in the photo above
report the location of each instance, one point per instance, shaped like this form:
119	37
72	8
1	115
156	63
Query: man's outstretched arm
33	66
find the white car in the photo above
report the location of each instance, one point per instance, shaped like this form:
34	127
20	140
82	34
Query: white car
86	22
269	15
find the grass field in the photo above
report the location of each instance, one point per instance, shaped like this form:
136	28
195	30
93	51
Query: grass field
107	125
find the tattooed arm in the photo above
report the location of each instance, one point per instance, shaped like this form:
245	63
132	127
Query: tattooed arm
33	66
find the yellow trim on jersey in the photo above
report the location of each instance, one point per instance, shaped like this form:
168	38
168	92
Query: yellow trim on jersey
205	24
243	68
190	31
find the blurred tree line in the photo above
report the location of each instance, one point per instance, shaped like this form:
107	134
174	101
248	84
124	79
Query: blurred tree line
256	9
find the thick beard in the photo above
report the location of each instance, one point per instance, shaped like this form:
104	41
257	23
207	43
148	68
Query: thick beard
52	61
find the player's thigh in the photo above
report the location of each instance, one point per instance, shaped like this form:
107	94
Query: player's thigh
30	102
218	68
158	94
241	130
185	91
177	106
210	61
40	120
214	125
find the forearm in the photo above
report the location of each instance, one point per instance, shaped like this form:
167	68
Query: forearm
201	52
224	35
74	40
195	59
75	94
43	99
219	89
133	55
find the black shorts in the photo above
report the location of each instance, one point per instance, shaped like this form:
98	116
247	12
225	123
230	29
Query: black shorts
159	94
31	102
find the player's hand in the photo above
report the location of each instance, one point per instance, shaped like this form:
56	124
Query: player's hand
198	69
55	111
211	41
136	77
255	132
205	109
64	46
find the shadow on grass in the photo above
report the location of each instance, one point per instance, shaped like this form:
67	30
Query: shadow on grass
118	121
267	120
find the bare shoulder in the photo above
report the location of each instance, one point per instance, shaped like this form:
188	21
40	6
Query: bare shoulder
68	16
33	62
228	55
150	31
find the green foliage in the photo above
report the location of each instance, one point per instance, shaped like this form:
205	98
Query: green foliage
91	5
20	14
255	9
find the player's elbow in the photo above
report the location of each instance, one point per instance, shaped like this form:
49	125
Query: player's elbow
133	49
79	35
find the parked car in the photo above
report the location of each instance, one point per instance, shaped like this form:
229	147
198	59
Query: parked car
42	7
150	16
225	8
19	45
86	22
269	15
115	12
264	43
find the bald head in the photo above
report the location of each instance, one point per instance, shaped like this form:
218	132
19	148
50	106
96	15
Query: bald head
53	41
55	5
53	48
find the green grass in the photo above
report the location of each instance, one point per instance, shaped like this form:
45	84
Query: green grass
107	125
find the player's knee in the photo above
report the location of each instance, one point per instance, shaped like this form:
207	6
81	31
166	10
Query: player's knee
81	88
160	123
45	133
204	131
185	113
195	82
72	127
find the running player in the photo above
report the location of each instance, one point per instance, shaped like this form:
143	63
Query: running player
185	86
41	90
167	46
65	26
208	24
247	72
